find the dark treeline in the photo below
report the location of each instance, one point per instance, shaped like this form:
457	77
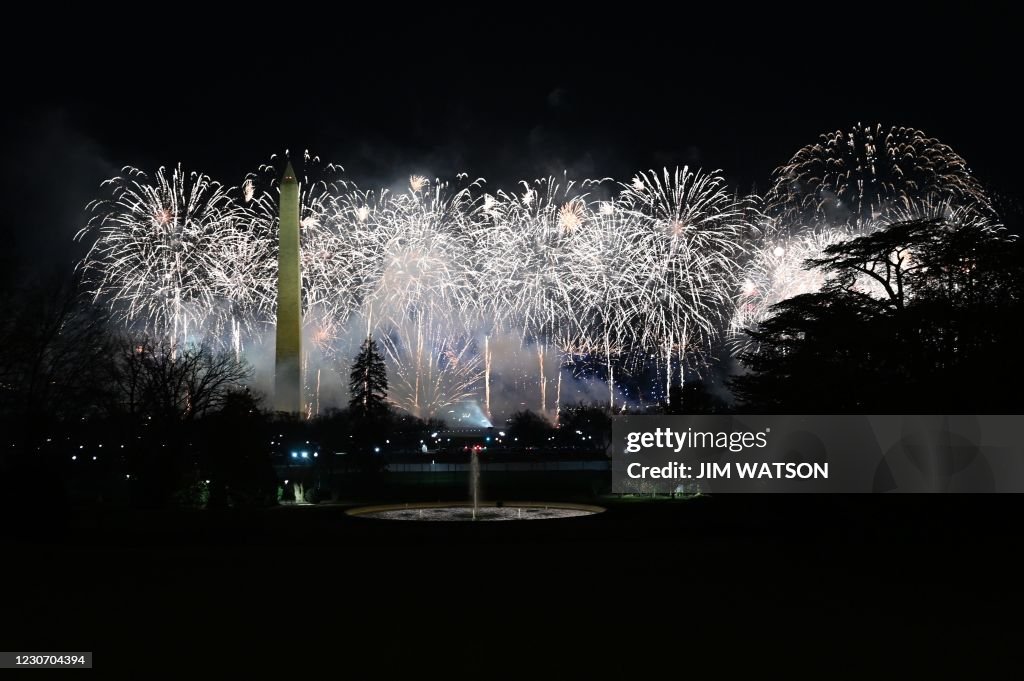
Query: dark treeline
137	420
92	414
920	317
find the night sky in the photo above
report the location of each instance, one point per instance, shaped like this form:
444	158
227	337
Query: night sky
597	97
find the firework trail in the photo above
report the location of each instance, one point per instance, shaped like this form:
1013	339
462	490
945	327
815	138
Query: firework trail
157	251
569	274
528	262
777	272
431	368
691	232
408	267
241	278
527	255
328	258
947	211
653	271
415	255
612	264
418	183
858	176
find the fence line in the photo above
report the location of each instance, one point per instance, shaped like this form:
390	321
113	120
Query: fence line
511	466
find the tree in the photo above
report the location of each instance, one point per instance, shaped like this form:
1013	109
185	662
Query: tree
234	457
920	315
821	353
960	260
585	426
52	351
162	394
169	384
528	429
368	382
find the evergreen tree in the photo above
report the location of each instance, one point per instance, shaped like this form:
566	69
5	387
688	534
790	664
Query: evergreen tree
368	382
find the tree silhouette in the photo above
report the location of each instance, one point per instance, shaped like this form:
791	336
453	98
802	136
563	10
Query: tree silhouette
528	429
917	317
53	346
368	382
171	384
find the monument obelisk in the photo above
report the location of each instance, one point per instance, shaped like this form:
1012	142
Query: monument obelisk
288	364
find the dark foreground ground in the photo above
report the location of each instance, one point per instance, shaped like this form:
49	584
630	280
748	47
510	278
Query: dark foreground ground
770	584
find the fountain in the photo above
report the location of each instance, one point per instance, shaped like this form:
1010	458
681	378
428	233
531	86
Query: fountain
474	480
475	510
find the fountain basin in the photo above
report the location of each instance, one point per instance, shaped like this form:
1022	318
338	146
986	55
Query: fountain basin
485	512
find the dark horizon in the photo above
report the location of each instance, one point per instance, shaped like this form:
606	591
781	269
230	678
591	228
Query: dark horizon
483	110
157	512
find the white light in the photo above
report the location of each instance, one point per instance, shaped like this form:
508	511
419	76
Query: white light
433	435
295	455
779	252
81	446
286	482
501	433
94	458
207	482
74	457
305	455
127	476
316	454
376	449
387	442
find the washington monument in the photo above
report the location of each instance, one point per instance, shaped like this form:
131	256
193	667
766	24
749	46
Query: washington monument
288	366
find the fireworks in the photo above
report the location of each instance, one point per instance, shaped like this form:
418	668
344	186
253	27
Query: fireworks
777	272
431	369
526	256
858	176
161	248
649	273
571	215
429	270
690	232
848	184
418	183
326	253
419	254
